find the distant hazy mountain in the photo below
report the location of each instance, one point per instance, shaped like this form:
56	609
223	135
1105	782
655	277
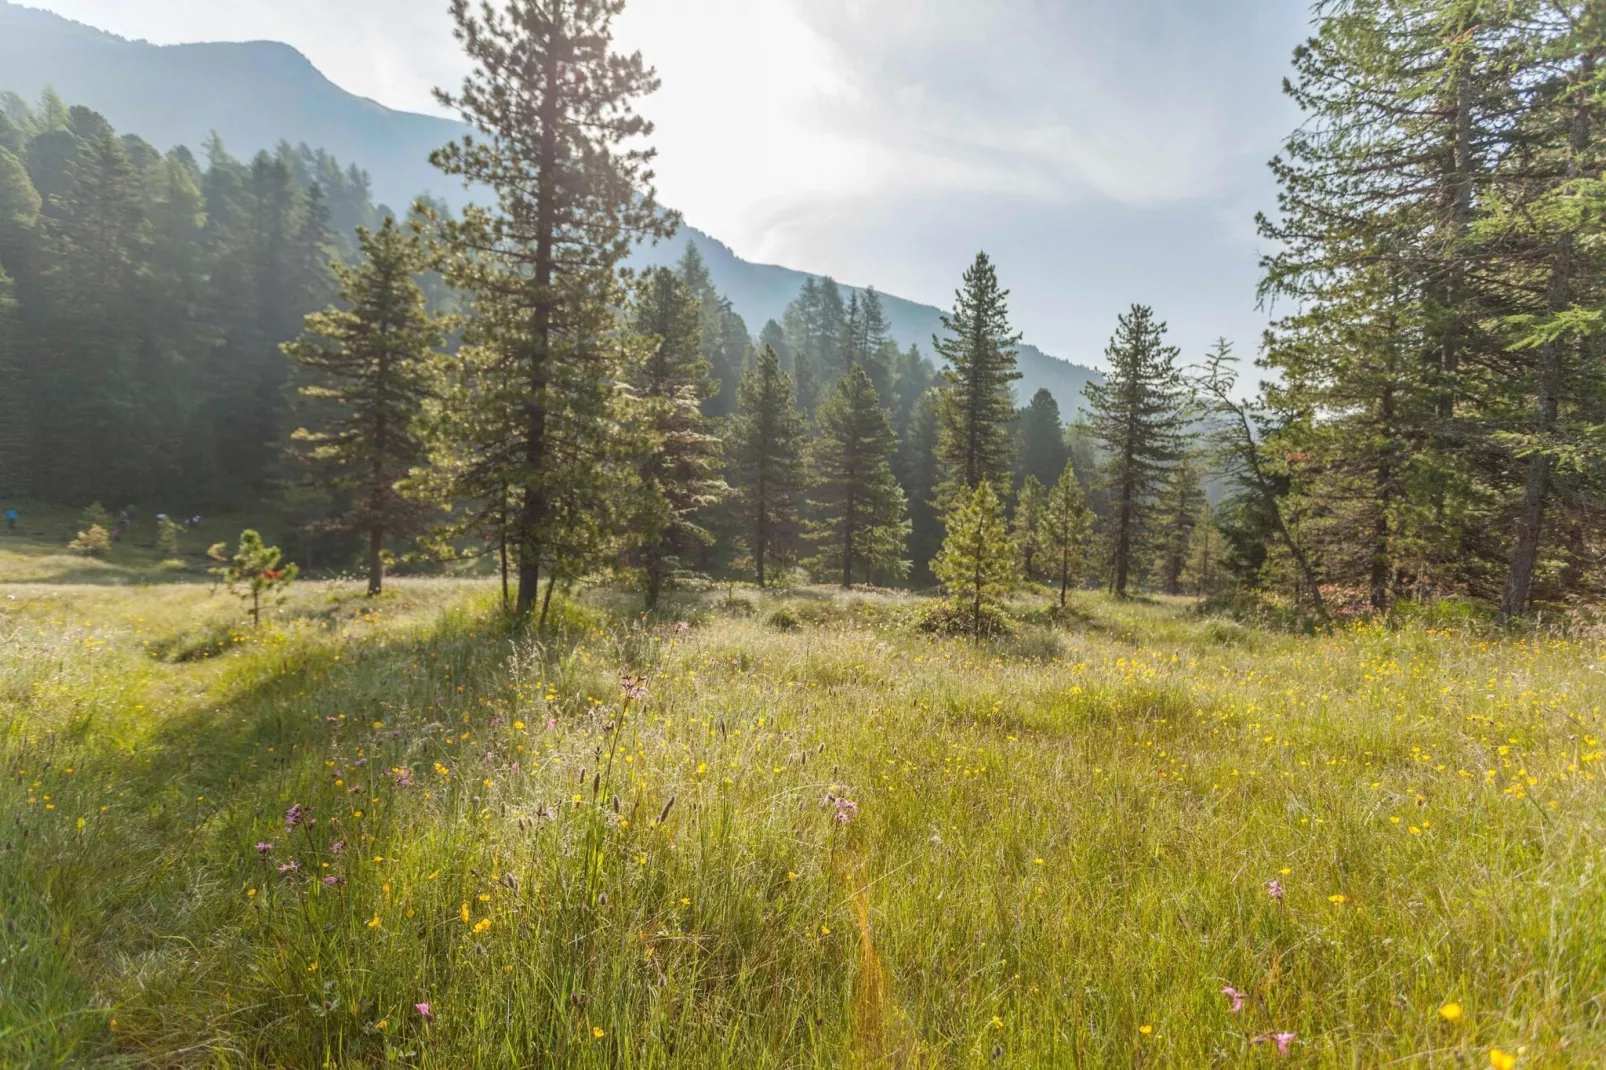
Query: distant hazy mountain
260	93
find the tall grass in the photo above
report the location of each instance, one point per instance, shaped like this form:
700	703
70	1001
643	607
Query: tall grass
1058	849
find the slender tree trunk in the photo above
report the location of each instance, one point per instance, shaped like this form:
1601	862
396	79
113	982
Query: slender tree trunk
1065	570
502	543
546	603
655	578
762	541
533	512
376	561
1123	541
1531	520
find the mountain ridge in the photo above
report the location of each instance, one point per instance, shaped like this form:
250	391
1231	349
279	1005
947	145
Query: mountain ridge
255	94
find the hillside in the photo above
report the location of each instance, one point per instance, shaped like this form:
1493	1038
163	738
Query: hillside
259	93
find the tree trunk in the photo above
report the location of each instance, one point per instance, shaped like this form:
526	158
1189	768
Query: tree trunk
1530	522
546	603
376	561
1123	541
502	542
655	579
532	513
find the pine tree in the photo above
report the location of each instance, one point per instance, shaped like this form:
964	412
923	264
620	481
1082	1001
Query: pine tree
1139	414
861	521
13	431
676	456
1242	443
1551	425
920	473
1027	528
766	443
1041	436
1066	521
372	365
980	353
912	377
813	325
864	342
977	565
1181	502
552	105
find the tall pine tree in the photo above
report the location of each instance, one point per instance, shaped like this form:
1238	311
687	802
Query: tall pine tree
677	458
558	142
1139	415
372	360
1066	520
766	450
979	349
861	522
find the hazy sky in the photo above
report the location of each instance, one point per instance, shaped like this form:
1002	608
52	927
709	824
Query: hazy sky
1103	151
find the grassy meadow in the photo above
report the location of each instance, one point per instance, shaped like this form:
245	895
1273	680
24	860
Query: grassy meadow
389	832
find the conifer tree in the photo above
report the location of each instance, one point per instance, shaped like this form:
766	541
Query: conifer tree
813	326
1066	520
1139	414
1027	527
1551	425
1240	441
912	377
766	448
1181	502
865	340
1041	451
557	141
861	522
920	473
676	456
13	434
978	562
980	353
371	361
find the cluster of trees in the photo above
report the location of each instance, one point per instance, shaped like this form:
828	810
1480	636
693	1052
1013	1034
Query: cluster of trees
143	298
498	384
1439	412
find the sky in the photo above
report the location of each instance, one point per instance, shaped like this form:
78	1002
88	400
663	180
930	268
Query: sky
1103	152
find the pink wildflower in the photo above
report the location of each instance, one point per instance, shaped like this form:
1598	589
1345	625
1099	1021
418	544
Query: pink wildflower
1282	1040
1236	996
1274	888
290	867
423	1010
264	847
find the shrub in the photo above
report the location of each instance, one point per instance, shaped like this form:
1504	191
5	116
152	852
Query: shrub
95	542
952	618
253	571
783	620
167	533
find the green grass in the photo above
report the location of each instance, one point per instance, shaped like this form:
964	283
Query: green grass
1060	855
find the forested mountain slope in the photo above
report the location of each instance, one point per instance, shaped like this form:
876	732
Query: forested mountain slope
257	94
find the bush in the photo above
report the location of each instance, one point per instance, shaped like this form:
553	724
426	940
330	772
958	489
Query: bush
950	618
1033	644
737	605
1228	633
783	620
95	542
167	533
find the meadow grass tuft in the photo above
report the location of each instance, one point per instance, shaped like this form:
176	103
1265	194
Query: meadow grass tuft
391	831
